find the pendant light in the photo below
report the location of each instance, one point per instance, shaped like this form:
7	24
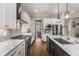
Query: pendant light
58	17
67	16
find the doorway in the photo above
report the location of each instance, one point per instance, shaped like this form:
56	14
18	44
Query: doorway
38	28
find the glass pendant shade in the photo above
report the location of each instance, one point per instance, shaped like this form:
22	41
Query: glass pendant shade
19	11
58	17
67	16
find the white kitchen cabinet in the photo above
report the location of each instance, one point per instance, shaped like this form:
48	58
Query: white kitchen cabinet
8	15
2	16
18	51
21	49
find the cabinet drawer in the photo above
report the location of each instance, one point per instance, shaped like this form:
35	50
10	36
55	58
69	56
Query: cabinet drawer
18	51
12	53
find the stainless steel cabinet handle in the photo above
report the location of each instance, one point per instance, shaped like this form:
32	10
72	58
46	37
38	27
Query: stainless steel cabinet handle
13	53
19	53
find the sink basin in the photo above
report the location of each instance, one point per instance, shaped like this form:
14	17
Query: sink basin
62	41
20	37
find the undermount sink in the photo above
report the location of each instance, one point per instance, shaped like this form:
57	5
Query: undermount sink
20	37
62	41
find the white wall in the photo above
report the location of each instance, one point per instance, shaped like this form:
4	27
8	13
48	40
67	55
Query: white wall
24	28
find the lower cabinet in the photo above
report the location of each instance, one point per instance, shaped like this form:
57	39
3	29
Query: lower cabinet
59	51
28	46
18	51
55	50
51	48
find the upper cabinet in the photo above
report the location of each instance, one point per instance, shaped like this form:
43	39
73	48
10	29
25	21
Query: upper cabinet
25	16
8	15
2	16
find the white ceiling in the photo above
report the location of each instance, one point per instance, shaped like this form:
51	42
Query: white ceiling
48	9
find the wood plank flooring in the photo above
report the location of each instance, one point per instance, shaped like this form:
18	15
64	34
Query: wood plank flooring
39	48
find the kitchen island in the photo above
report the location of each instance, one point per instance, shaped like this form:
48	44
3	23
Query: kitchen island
71	49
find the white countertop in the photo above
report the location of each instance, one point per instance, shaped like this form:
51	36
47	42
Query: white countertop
71	49
21	34
8	45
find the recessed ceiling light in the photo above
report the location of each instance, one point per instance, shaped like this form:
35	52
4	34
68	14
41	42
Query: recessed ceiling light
35	10
55	10
72	11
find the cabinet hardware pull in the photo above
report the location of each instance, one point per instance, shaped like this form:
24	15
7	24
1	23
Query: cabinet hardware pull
13	53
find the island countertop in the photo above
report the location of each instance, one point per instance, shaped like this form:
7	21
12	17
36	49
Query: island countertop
8	45
71	49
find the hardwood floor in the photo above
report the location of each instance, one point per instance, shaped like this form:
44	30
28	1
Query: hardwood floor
39	48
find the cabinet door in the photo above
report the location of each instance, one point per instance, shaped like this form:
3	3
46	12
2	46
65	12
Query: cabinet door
2	16
10	14
55	50
59	51
21	49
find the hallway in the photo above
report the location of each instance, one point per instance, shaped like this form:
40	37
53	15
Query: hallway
39	48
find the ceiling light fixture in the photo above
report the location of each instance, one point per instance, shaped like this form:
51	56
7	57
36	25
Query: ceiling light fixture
67	18
58	17
72	11
56	10
35	10
67	15
19	11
